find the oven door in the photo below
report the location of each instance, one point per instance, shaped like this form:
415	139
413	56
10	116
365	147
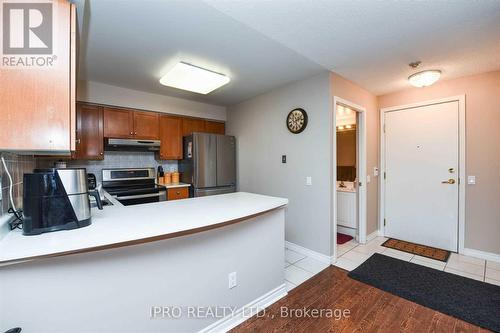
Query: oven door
137	199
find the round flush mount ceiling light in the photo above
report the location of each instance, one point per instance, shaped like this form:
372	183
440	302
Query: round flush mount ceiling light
424	78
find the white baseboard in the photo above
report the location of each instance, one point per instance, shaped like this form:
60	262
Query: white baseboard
481	254
229	322
310	253
373	235
347	231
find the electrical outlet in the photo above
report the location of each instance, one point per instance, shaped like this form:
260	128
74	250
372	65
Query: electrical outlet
309	181
375	171
232	280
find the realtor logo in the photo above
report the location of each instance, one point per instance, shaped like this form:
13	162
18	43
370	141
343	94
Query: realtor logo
27	28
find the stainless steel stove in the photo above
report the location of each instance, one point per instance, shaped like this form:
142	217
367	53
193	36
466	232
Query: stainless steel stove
133	186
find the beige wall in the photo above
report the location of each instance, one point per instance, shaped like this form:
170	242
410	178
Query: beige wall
482	94
346	89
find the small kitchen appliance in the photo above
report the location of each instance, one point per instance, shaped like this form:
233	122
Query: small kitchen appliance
56	199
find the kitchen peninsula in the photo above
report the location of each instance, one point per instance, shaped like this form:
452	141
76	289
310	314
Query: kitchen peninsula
166	254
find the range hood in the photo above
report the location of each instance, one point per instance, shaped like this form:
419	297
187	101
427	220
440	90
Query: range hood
132	145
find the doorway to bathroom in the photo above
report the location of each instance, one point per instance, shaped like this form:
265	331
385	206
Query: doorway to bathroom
349	173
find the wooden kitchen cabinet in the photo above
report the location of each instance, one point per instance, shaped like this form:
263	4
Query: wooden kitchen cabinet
118	123
128	124
190	125
177	193
146	125
89	132
215	127
171	138
37	94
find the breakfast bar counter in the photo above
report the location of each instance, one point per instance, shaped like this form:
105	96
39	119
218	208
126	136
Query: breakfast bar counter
223	252
117	225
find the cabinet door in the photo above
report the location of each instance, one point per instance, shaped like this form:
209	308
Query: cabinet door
177	193
35	101
171	138
215	127
118	123
89	132
190	125
146	125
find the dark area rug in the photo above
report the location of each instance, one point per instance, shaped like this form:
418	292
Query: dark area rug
473	301
421	250
343	238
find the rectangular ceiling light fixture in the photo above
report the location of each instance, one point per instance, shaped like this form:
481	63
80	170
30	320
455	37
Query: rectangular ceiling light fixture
188	77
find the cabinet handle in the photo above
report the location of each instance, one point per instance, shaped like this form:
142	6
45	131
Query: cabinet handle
78	141
131	133
178	193
101	153
135	133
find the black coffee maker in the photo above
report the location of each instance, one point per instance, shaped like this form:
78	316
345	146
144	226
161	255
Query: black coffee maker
56	199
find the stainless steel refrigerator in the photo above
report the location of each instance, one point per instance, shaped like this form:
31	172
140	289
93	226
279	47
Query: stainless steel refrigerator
209	164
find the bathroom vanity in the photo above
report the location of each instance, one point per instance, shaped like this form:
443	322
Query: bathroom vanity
347	205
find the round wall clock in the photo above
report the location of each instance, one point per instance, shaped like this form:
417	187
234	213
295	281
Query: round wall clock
296	121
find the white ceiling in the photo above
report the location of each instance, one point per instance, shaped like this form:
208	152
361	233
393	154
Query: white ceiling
372	42
265	44
132	44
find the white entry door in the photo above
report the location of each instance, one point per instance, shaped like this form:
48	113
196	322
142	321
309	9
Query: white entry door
421	182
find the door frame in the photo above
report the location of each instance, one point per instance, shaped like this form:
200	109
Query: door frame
461	164
362	172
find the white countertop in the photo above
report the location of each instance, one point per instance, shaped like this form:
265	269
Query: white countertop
346	189
175	185
120	225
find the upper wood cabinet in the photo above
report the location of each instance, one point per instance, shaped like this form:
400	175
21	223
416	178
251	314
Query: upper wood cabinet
124	124
146	125
190	125
118	123
89	132
215	127
37	94
171	138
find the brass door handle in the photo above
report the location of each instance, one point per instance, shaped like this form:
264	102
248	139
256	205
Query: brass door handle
449	181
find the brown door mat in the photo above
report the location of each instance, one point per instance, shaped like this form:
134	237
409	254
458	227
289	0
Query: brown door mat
421	250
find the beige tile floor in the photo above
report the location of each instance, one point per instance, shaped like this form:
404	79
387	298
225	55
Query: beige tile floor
299	268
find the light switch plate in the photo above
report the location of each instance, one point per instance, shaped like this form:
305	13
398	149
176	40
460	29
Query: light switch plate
232	280
309	181
368	178
471	180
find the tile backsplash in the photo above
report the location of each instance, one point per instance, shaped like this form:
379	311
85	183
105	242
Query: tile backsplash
17	165
115	159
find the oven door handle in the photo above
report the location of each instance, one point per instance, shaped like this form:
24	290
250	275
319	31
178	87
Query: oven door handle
139	196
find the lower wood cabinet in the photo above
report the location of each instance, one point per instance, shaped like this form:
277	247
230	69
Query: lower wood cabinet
177	193
171	138
89	132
